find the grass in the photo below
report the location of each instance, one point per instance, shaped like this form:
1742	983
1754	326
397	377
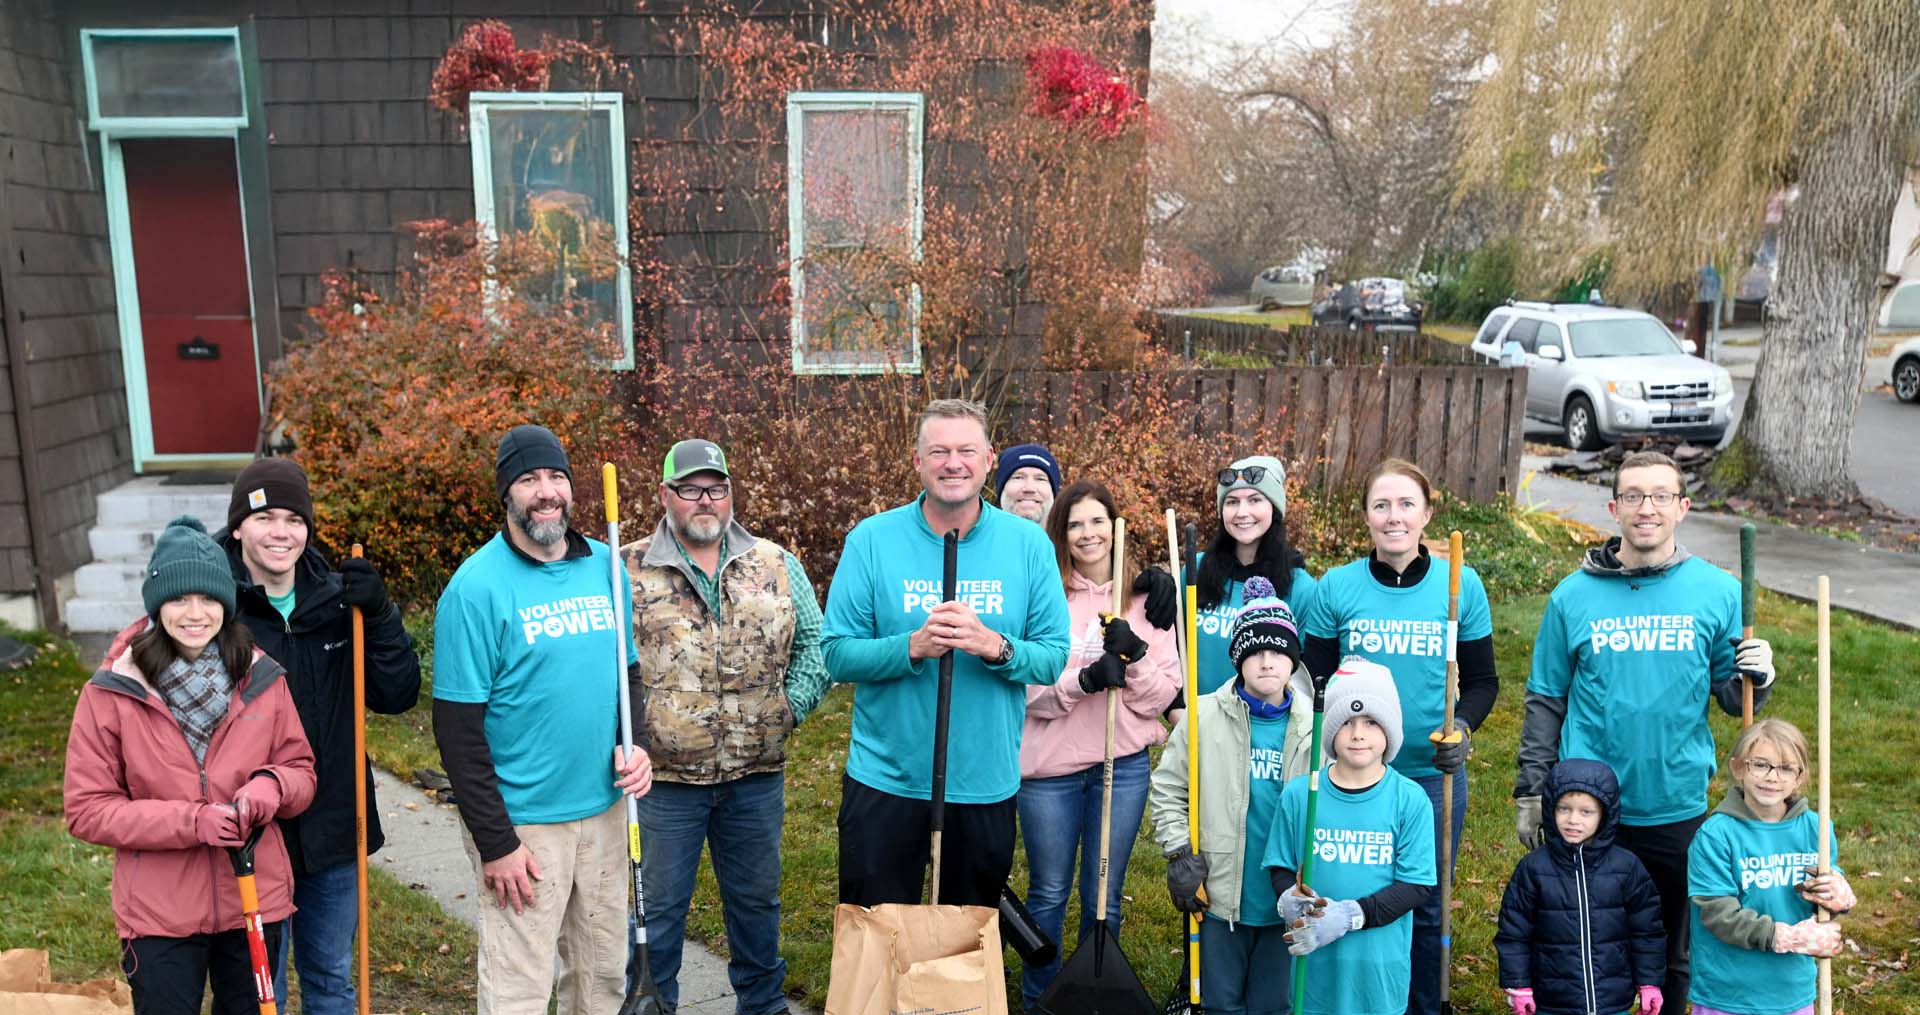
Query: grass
1457	333
54	889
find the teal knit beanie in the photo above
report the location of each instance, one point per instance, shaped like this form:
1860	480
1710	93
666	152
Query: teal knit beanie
185	560
1272	483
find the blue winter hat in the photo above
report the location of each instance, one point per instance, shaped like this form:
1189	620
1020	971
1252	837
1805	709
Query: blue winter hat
1023	456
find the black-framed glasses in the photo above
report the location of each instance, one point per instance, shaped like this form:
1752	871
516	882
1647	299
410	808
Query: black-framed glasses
694	491
1761	768
1252	474
1660	498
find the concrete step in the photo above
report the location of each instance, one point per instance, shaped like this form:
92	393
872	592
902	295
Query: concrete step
148	503
110	579
134	545
102	616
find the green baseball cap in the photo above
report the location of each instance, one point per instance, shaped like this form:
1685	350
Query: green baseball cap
688	457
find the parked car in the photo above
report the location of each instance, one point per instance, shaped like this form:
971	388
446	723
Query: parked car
1281	286
1378	304
1905	372
1602	373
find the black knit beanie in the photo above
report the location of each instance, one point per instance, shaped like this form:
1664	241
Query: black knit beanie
525	448
270	483
186	560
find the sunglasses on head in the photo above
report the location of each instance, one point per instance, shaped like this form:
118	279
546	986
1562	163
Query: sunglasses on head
1252	474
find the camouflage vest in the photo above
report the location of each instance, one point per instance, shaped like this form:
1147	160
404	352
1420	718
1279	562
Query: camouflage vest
716	705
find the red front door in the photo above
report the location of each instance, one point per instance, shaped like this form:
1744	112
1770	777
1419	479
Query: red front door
196	320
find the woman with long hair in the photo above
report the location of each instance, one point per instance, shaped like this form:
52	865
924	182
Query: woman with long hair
1391	607
1250	497
1063	742
183	744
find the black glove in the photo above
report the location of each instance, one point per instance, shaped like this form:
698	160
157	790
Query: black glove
1109	672
1186	877
1163	597
360	585
1117	638
1449	753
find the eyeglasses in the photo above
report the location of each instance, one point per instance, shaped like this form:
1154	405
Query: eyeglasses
1252	474
694	491
1633	498
1761	768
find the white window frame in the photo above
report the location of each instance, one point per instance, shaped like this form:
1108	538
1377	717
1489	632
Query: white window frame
480	106
131	125
799	104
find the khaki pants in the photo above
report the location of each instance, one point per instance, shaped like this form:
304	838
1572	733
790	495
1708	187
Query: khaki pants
580	904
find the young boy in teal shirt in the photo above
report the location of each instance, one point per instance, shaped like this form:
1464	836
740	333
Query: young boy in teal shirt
1373	854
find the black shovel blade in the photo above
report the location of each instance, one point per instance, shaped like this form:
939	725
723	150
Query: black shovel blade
644	997
1097	980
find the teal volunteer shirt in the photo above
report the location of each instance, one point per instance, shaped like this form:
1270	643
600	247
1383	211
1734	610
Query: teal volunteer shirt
1405	630
1258	906
1363	842
535	643
1215	627
1757	862
1636	658
887	581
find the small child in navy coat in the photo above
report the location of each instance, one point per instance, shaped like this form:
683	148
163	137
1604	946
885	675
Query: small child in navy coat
1580	925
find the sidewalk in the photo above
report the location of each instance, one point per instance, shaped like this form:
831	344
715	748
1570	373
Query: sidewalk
423	851
1866	580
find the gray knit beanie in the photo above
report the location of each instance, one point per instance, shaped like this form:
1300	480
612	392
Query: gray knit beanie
1361	687
185	560
1272	483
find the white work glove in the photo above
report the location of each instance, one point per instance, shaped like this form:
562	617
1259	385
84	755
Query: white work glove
1295	907
1754	659
1527	821
1321	931
1808	937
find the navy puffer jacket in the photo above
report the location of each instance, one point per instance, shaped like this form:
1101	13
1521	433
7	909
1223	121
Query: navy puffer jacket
1581	924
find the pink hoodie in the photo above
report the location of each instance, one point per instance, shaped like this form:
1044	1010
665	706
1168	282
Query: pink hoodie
1066	730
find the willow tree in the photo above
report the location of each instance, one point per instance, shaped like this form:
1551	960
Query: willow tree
1660	130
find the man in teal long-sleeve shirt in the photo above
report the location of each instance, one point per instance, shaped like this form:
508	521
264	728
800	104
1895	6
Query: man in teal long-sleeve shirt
885	631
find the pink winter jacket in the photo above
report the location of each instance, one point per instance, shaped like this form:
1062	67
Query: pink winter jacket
132	783
1066	729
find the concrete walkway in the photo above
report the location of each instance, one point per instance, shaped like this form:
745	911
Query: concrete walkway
1866	580
424	852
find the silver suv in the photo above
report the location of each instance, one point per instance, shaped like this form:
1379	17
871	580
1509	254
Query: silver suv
1602	373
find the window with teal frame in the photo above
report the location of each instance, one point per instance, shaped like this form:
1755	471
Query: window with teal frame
166	78
854	221
550	189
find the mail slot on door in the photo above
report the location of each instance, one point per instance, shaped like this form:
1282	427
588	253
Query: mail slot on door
199	348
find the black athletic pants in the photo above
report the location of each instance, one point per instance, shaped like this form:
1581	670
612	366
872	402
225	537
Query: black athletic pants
169	974
885	848
1662	849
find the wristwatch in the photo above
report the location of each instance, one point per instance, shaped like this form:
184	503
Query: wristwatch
1005	655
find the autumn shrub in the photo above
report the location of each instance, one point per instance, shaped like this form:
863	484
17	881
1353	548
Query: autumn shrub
396	402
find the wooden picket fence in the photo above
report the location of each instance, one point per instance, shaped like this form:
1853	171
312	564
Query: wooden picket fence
1304	345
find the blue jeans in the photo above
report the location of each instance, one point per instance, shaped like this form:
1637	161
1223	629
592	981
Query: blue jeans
1423	989
1245	970
320	934
740	821
1059	817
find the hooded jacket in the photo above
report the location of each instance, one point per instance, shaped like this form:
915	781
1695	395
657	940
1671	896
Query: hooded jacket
1061	736
132	783
315	645
1580	924
1226	784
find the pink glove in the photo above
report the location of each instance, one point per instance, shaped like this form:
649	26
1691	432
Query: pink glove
1520	999
1828	890
1650	1000
257	801
1808	937
217	825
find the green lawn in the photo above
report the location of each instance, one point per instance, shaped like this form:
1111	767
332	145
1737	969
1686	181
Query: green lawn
60	901
1288	316
54	888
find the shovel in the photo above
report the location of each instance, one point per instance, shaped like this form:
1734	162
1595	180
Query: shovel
363	997
1097	979
242	857
1185	999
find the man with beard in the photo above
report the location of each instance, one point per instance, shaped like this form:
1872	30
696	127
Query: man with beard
525	713
1630	649
727	641
886	629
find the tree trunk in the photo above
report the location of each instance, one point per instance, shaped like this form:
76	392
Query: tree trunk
1796	437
